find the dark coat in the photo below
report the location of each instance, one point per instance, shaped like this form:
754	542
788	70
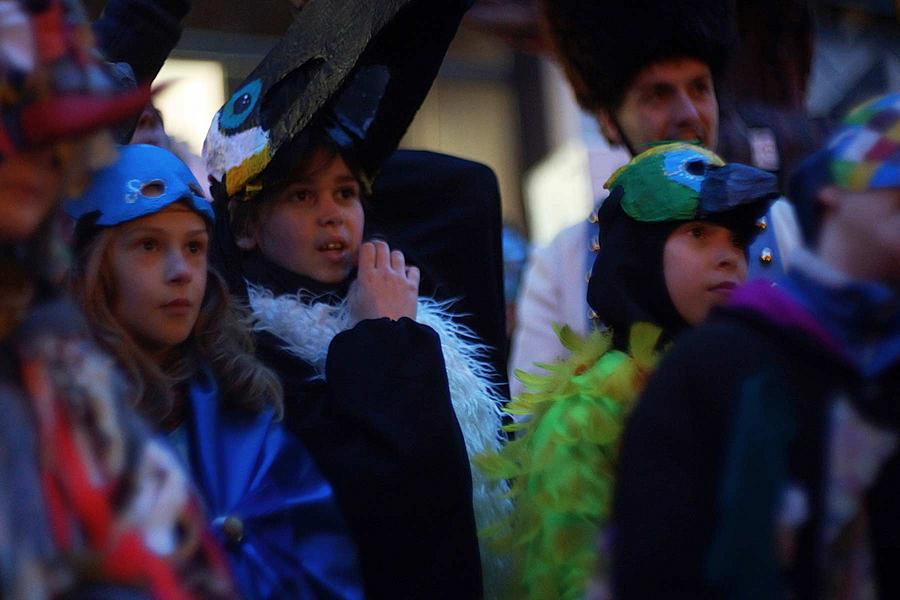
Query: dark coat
383	431
141	33
691	519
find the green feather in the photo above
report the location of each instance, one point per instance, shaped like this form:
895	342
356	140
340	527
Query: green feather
563	460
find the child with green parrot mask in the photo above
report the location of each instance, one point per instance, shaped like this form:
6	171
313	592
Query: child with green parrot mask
673	238
674	233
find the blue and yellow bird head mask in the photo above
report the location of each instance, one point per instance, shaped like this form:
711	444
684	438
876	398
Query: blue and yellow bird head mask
358	69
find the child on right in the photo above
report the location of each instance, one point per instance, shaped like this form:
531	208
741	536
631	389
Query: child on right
674	234
761	461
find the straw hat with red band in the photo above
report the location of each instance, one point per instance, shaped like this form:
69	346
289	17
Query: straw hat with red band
52	85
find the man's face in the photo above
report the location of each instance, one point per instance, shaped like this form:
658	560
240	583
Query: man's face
668	100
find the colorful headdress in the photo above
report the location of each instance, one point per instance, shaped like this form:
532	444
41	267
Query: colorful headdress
685	182
865	152
142	181
603	45
52	86
360	69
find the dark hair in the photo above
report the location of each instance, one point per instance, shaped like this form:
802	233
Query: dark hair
603	45
245	215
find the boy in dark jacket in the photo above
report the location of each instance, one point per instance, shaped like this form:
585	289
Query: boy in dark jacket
761	460
292	157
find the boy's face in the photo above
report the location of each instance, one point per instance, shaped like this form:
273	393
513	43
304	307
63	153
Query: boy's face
314	227
866	227
668	100
158	265
702	265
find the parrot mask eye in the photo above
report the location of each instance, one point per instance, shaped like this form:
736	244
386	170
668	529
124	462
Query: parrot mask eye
696	167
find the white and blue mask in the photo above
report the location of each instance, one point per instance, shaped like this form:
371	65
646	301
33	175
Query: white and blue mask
142	181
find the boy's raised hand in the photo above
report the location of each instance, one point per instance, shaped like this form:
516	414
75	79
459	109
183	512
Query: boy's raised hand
385	286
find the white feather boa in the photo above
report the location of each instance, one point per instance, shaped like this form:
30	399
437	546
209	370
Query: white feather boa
307	327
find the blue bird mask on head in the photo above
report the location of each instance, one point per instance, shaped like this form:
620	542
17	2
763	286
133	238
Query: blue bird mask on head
143	180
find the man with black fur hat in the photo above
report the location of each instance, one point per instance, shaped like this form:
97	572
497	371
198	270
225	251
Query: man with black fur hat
648	71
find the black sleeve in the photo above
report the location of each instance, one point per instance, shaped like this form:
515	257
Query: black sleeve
141	33
884	528
667	475
384	433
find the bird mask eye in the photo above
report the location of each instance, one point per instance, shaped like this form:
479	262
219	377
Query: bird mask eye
240	106
696	167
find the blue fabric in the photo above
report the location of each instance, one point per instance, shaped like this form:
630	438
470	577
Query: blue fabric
863	316
295	543
115	194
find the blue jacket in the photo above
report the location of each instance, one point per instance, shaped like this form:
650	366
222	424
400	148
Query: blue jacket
270	506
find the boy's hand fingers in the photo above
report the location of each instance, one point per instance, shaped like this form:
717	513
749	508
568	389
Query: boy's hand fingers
413	276
398	261
366	256
382	255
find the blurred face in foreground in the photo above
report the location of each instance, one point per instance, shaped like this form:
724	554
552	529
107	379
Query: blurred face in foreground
703	264
30	187
860	232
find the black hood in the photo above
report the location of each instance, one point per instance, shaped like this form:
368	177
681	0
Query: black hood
627	283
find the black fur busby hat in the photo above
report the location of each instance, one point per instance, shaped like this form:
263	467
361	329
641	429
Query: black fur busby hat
604	44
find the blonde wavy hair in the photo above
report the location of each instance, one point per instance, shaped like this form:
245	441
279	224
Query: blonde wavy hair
220	338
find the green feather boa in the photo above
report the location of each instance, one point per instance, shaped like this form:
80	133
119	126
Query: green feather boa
562	461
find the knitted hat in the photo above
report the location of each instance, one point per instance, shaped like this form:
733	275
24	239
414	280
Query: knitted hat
863	154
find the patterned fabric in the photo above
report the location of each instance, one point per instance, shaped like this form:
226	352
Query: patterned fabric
51	86
865	154
112	507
